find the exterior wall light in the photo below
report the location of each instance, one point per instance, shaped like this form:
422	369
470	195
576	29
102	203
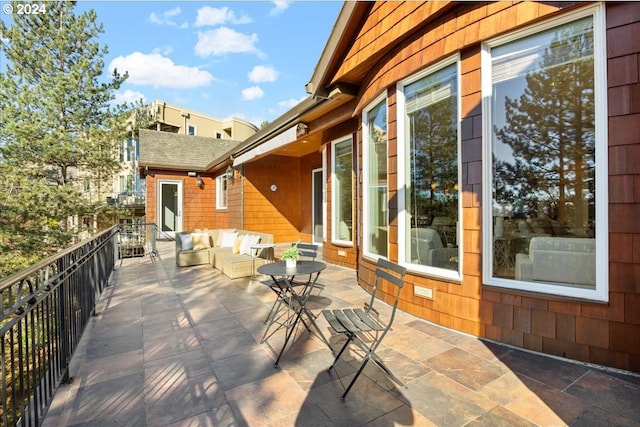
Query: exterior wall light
230	173
199	181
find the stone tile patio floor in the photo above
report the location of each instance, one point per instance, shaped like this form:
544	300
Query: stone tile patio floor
174	346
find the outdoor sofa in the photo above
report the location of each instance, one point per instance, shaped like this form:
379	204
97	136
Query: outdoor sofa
228	250
560	260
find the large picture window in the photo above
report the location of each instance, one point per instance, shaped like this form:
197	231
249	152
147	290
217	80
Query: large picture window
342	191
428	135
547	159
375	195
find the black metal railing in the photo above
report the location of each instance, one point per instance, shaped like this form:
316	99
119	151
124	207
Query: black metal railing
137	239
44	309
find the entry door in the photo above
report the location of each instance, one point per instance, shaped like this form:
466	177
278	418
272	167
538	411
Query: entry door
169	207
318	206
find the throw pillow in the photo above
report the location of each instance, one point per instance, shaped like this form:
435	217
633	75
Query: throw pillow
228	239
238	243
200	241
252	239
186	242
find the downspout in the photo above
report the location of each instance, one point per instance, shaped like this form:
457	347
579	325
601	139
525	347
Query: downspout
242	196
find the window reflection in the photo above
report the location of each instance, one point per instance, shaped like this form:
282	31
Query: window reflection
432	202
543	120
377	229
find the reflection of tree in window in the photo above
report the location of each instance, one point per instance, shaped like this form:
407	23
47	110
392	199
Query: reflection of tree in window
431	121
550	130
377	180
343	165
434	154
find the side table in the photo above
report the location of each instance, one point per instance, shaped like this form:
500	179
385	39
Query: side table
258	247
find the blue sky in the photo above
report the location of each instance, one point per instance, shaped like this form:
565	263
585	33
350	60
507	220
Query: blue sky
248	59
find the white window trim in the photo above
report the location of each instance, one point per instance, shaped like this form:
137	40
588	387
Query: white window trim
195	130
601	292
334	193
324	193
221	193
366	250
403	175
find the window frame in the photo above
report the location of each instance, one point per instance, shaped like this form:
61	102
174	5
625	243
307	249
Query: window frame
366	203
335	196
403	171
222	192
601	291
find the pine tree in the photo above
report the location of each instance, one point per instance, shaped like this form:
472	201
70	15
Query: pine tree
59	128
551	131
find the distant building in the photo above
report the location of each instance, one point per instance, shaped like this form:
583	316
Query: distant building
129	189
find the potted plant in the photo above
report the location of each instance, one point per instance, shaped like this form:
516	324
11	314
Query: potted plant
291	255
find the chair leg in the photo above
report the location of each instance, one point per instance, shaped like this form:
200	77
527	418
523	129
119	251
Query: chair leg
344	347
346	391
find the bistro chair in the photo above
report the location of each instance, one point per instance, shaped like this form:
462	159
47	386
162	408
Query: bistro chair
363	326
308	252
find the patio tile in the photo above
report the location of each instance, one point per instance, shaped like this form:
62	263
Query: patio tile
180	347
243	368
171	389
177	342
609	393
465	368
274	397
500	417
365	402
220	416
446	402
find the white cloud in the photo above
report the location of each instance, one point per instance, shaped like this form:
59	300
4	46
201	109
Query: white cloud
252	93
290	103
165	18
156	70
224	40
129	96
173	12
217	16
166	50
262	74
279	7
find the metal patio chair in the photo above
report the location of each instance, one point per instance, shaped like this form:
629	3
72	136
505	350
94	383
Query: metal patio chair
308	252
363	326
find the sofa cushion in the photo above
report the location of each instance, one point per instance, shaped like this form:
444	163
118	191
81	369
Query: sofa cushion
228	239
186	242
200	241
238	243
249	240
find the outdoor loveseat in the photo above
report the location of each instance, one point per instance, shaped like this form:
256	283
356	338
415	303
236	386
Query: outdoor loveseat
558	259
228	250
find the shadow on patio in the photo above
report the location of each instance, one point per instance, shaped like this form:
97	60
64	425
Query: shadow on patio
180	346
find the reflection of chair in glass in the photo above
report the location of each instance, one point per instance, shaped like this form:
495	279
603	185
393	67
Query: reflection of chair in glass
569	260
427	248
364	327
447	229
344	231
307	251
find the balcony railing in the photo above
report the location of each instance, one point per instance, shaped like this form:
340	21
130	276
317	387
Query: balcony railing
44	311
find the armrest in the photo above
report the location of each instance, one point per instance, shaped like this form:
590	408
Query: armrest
524	267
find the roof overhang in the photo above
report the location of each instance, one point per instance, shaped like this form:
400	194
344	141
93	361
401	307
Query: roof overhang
272	144
316	86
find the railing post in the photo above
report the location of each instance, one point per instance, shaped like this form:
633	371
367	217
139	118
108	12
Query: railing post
62	317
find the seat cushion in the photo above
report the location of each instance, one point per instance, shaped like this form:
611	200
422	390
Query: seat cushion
186	242
200	241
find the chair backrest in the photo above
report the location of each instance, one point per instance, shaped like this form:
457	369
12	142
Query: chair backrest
307	250
394	275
